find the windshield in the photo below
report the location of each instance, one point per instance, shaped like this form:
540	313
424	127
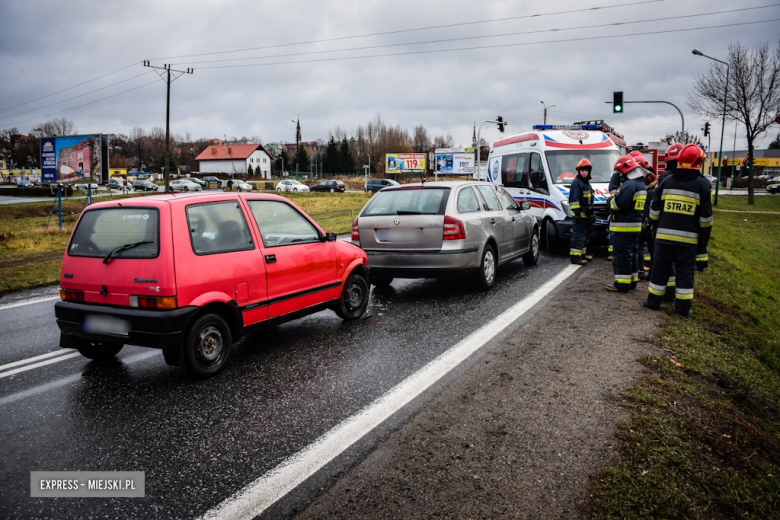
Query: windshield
562	164
419	201
101	231
295	182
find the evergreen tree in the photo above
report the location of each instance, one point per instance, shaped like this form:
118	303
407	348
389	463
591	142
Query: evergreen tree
301	159
283	158
249	170
346	160
775	145
330	161
257	170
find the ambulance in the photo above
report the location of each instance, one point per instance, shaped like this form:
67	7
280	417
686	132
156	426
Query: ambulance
539	166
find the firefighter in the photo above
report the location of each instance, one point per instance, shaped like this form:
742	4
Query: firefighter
581	204
626	224
671	160
646	237
683	210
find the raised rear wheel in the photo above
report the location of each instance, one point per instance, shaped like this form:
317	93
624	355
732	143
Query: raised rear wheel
354	298
207	346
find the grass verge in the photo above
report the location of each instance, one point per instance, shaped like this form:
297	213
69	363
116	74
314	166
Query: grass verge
704	439
31	256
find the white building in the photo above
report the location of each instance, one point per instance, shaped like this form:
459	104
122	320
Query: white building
235	159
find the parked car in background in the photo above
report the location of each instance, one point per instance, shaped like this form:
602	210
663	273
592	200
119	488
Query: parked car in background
115	183
191	274
331	186
445	229
773	188
83	186
212	182
144	185
183	185
374	185
237	185
291	185
201	183
713	180
23	183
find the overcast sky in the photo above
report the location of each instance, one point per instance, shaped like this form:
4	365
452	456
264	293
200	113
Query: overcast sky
568	56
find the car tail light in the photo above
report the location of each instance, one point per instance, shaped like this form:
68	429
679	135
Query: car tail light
453	229
72	295
153	302
355	232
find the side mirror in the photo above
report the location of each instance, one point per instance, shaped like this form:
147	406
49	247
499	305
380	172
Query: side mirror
330	237
525	205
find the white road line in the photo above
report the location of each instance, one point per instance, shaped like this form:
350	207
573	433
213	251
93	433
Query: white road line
266	490
37	365
28	302
36	358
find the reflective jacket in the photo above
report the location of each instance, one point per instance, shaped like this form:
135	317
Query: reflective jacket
627	206
581	197
683	209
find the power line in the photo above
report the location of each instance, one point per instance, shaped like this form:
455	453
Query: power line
465	38
79	106
460	24
70	88
76	97
479	47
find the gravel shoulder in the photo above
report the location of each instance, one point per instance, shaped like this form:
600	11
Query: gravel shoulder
519	435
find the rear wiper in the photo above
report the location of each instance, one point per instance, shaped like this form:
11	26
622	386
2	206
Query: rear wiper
125	247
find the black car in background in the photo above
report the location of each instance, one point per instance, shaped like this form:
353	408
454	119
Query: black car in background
331	186
143	185
374	185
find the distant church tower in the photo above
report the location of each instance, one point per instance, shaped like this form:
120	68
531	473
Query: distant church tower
298	134
474	137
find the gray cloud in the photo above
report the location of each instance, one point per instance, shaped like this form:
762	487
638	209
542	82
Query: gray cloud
48	46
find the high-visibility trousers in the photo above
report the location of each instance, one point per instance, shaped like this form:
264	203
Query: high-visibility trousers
681	258
625	260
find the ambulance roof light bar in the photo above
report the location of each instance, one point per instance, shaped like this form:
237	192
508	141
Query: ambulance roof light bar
566	127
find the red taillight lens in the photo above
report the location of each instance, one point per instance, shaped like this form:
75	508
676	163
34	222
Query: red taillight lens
153	302
72	295
355	232
453	229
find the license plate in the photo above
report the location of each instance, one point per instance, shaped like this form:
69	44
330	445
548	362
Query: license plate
398	235
106	325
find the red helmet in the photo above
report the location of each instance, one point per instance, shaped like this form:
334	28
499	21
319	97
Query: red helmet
673	151
626	164
636	153
642	161
691	157
584	163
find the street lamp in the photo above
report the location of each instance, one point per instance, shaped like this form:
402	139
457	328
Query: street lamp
723	124
545	111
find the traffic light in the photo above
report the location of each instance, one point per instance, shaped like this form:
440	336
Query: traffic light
500	121
706	129
617	102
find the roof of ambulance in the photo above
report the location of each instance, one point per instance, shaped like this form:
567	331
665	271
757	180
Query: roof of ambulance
555	139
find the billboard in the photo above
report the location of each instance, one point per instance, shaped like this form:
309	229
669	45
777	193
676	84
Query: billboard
455	163
74	158
404	162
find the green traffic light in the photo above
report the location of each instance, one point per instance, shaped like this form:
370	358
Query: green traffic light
618	108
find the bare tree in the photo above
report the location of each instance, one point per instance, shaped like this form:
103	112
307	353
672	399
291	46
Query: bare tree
753	96
54	128
677	137
420	140
137	135
441	141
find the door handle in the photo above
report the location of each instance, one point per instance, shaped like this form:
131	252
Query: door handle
270	259
514	219
492	221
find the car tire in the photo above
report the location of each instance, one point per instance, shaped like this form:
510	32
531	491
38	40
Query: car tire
553	242
532	256
186	188
332	190
207	346
278	190
97	350
354	298
381	282
295	189
486	277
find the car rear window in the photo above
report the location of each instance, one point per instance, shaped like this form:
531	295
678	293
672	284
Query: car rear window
408	201
101	231
218	227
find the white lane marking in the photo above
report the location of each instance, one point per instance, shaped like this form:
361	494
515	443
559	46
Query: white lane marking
38	365
36	358
36	390
28	302
266	490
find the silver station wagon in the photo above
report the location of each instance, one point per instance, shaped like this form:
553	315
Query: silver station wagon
444	229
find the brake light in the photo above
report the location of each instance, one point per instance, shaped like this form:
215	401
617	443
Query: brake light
153	302
453	229
71	295
355	232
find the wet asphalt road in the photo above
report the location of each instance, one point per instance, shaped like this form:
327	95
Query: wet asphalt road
201	441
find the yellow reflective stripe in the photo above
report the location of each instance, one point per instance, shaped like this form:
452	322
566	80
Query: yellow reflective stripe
653	216
613	205
657	292
586	195
680	198
705	224
619	280
683	296
574	206
635	228
675	238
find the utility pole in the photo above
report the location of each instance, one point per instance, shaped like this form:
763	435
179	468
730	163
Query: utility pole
168	81
545	111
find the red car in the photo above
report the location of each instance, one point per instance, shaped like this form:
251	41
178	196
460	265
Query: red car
191	273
